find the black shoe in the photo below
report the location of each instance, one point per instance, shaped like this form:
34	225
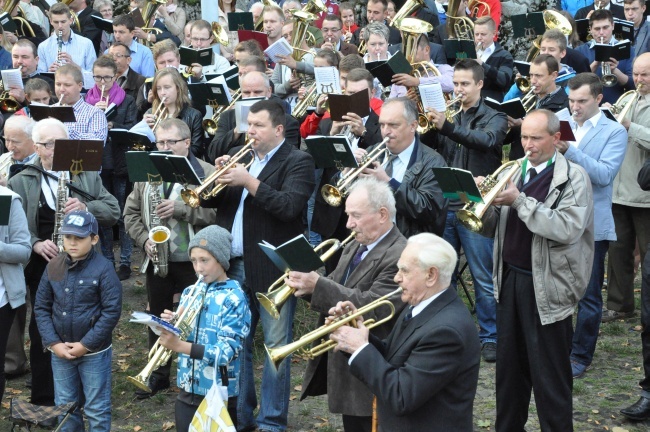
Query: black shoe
124	272
28	382
489	352
639	411
156	384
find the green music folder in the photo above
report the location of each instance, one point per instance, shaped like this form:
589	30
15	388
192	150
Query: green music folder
528	25
140	167
331	151
385	70
296	254
240	21
5	209
457	184
175	169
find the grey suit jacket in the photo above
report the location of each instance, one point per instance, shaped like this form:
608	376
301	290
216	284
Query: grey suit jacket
373	278
425	374
642	42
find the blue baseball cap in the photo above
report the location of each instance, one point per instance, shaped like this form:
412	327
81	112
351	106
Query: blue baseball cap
79	223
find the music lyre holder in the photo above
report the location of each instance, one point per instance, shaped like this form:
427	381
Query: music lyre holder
76	167
77	156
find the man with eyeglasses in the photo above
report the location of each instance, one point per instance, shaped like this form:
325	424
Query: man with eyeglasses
201	37
37	185
141	57
182	220
332	32
128	79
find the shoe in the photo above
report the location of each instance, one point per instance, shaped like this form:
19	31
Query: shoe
489	352
28	382
578	369
610	315
639	411
124	272
156	384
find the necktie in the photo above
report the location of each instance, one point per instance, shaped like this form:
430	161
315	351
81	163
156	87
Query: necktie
121	80
389	165
409	314
357	257
531	174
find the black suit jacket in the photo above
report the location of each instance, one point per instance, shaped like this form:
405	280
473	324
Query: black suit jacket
133	83
436	52
348	48
326	218
372	278
274	214
425	374
576	60
498	73
617	11
88	27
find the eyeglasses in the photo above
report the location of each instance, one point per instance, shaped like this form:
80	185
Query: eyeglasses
330	30
48	145
169	143
197	39
120	55
103	78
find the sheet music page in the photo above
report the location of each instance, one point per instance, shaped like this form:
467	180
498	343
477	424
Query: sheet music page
89	81
327	80
279	47
242	108
563	114
432	97
143	128
11	78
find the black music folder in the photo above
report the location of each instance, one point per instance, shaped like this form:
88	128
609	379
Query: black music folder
209	94
384	70
175	169
513	108
457	184
103	23
132	140
231	76
331	151
141	168
5	209
64	114
528	25
296	254
620	51
459	49
582	27
201	56
77	155
523	68
341	105
624	29
240	21
8	24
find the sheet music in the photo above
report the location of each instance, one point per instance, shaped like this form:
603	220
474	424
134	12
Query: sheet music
143	128
327	80
221	81
89	81
242	107
432	97
11	78
279	47
564	114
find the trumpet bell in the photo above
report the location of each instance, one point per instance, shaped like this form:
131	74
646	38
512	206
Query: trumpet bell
210	126
140	382
271	302
9	105
190	198
523	84
159	234
470	220
332	195
220	34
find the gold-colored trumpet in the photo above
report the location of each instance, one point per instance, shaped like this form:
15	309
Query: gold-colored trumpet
470	215
333	195
450	113
279	292
529	100
276	355
625	103
220	34
7	102
160	114
210	125
308	100
193	197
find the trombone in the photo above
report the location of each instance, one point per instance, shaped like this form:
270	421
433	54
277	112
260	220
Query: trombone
279	292
333	195
276	355
160	114
193	197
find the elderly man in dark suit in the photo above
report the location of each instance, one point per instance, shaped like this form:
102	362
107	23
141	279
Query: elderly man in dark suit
253	84
364	273
264	203
425	373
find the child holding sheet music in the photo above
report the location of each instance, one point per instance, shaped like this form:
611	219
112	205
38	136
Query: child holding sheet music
219	330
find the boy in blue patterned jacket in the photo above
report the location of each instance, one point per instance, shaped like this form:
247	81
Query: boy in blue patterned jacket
219	330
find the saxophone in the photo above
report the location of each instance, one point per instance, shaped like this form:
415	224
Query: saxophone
61	198
159	234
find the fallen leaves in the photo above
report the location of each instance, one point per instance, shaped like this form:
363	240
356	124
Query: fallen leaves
168	426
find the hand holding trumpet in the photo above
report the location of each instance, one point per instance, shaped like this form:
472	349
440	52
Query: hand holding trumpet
348	338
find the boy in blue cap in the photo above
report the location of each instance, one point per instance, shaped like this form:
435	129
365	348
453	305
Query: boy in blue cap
78	304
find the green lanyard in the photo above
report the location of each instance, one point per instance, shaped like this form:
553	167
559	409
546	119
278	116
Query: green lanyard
524	165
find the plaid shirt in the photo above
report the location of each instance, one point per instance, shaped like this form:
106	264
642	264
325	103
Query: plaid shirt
91	122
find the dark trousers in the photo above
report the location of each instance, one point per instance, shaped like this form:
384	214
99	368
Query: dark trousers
184	411
531	355
15	357
6	317
41	363
631	223
357	424
160	293
645	323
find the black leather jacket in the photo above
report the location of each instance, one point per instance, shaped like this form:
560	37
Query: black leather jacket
193	119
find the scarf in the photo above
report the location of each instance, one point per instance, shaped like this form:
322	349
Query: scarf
116	95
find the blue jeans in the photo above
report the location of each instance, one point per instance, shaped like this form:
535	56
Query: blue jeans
276	385
118	189
478	253
590	310
87	378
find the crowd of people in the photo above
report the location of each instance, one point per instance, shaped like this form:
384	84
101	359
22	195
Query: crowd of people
569	214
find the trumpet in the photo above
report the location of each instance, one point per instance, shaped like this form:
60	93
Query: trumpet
160	114
607	77
470	215
193	197
333	195
7	102
529	100
624	103
159	355
310	99
279	292
210	125
450	113
276	355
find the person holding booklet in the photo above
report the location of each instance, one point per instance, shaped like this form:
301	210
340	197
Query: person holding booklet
601	25
213	346
172	134
201	37
285	78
